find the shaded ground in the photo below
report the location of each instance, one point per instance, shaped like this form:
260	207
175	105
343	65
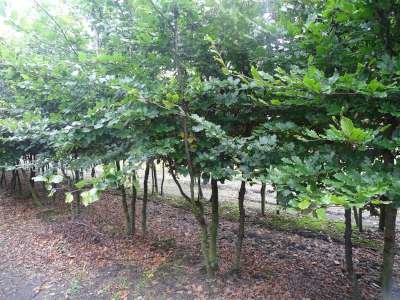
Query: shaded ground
45	254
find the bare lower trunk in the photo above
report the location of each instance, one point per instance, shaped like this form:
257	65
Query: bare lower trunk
360	220
77	198
133	206
155	182
162	180
198	211
124	203
355	213
213	253
152	178
389	251
145	198
3	181
13	182
382	217
200	190
19	181
34	195
347	241
356	294
240	236
126	211
262	192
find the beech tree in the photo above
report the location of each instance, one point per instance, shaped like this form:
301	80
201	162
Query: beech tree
301	95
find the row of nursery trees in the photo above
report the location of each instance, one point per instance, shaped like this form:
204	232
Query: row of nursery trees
302	95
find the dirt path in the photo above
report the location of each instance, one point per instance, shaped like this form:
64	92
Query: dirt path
45	254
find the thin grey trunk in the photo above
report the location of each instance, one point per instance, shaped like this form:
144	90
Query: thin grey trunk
262	192
77	198
155	182
213	253
145	198
133	205
198	211
356	293
199	189
240	236
34	195
382	217
347	241
355	213
162	180
124	202
152	178
389	251
18	180
3	178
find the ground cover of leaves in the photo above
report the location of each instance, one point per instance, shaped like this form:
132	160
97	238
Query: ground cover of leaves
46	254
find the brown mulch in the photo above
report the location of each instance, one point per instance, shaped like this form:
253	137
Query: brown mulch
44	252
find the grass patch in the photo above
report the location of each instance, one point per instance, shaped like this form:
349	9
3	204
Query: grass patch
117	289
164	244
144	282
49	215
178	202
304	224
74	288
229	211
169	271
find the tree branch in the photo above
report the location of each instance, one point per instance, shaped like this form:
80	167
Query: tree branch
179	185
58	26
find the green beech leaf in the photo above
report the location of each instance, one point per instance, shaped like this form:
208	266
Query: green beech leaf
304	204
69	198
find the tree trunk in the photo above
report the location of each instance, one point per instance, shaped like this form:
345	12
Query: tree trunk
124	203
355	213
3	178
360	220
240	236
347	241
93	172
133	205
154	169
152	178
77	198
263	188
76	194
162	180
356	293
389	251
18	181
199	189
198	211
145	198
13	183
382	217
213	253
35	197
